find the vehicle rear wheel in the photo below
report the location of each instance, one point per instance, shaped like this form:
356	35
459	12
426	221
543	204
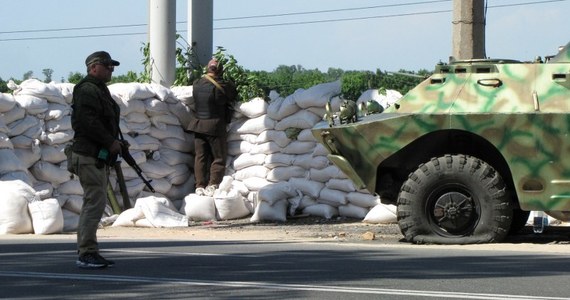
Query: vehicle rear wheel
454	199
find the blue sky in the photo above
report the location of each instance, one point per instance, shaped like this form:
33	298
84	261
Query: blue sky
410	35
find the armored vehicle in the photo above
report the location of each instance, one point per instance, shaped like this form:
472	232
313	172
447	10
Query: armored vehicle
469	152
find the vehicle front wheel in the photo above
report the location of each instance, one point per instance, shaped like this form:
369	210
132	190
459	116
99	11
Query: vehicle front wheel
454	199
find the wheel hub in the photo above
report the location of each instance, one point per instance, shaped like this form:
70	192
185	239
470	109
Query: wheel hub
454	211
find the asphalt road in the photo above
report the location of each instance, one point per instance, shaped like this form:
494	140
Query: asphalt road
210	265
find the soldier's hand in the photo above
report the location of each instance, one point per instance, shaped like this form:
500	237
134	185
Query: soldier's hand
115	148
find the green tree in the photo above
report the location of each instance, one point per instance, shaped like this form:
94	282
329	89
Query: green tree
3	86
28	75
129	77
74	77
47	73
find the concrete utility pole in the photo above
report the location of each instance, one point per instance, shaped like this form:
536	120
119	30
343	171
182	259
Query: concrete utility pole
468	29
162	41
200	29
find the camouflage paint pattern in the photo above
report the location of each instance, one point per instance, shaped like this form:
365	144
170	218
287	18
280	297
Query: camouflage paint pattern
521	109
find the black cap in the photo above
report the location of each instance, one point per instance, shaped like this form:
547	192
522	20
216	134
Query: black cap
101	57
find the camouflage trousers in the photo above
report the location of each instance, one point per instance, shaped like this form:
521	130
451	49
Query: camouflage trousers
94	182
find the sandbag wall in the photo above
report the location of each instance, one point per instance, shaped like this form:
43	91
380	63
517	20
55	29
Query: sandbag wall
270	146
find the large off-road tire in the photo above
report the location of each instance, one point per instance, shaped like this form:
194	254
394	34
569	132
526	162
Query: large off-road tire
454	199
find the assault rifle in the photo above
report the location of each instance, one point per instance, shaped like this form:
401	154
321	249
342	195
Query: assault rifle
131	162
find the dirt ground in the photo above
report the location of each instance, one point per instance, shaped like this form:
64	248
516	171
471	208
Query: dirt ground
556	239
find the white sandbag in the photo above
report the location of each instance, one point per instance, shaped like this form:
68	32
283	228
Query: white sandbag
345	185
321	210
352	211
44	190
278	174
14	199
57	111
298	147
58	124
253	108
66	90
32	104
53	153
318	95
129	217
161	185
47	217
5	142
35	131
161	121
147	143
3	128
306	201
170	131
307	161
276	192
247	160
254	184
265	211
265	148
332	197
70	220
240	187
16	113
256	125
132	127
324	175
199	208
50	173
302	119
132	90
181	112
34	87
23	176
382	214
185	146
279	137
55	138
180	174
70	187
282	107
274	160
155	107
156	169
160	212
306	135
163	93
129	106
320	150
179	191
307	187
18	127
28	157
239	147
7	102
10	162
73	203
320	162
173	157
253	171
362	199
184	93
136	117
134	187
230	205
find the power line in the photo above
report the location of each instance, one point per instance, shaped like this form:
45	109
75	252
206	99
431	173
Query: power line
253	26
330	10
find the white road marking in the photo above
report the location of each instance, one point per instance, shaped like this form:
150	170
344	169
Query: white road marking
267	285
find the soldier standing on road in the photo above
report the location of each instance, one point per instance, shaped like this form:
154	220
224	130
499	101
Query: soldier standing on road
95	120
211	108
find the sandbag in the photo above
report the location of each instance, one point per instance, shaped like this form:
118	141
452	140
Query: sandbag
230	205
14	199
199	208
47	217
